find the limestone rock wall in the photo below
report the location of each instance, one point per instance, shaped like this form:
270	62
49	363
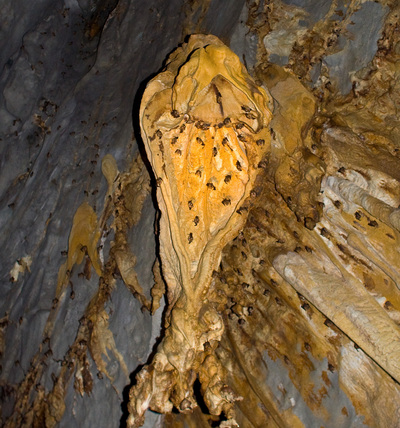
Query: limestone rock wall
309	289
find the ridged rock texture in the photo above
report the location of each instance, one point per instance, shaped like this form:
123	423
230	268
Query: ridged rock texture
199	204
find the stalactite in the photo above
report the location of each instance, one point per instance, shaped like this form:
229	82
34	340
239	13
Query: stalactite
205	127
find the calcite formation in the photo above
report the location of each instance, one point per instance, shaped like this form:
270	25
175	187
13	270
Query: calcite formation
301	315
312	282
204	123
123	204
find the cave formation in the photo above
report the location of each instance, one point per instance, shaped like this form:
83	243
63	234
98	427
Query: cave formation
200	213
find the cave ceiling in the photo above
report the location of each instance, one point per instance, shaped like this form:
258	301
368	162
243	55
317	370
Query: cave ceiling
199	205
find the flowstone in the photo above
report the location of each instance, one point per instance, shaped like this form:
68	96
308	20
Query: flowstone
204	123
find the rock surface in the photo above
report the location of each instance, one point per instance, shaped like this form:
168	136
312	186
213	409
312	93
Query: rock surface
308	291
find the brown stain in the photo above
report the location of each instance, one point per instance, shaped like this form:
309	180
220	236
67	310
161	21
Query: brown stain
325	378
